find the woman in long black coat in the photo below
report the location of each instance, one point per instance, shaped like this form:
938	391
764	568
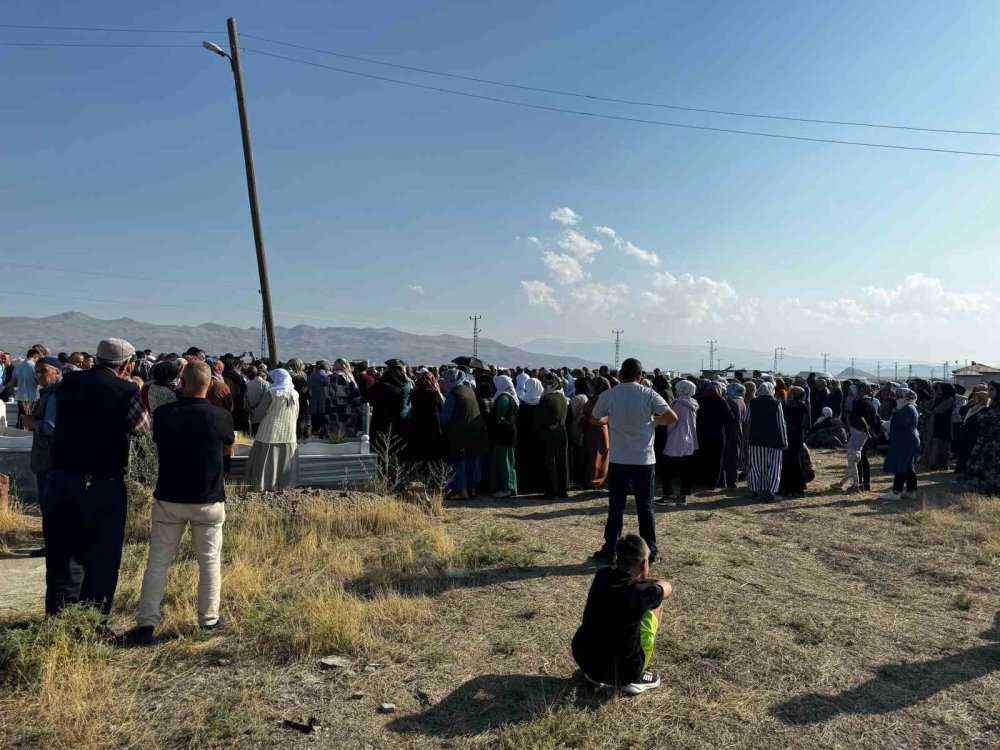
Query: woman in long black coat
426	438
793	475
714	416
529	457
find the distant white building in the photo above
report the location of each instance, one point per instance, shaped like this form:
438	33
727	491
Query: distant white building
856	373
974	374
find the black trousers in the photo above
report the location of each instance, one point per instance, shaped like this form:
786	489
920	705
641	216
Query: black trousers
909	480
83	523
639	479
864	467
555	464
680	468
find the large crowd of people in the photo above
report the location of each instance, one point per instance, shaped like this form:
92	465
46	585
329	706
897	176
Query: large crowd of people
508	432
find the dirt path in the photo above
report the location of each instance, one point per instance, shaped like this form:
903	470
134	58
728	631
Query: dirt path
826	622
22	584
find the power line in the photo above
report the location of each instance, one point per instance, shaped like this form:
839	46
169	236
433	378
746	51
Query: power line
99	28
504	84
619	118
97	44
614	100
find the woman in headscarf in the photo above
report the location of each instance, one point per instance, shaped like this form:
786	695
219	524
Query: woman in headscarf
162	390
982	472
863	417
254	394
714	417
388	400
343	401
297	369
794	477
767	441
597	442
465	437
904	445
751	393
577	431
835	399
529	462
550	421
273	462
937	456
426	437
519	383
237	388
732	457
503	434
978	403
681	445
780	390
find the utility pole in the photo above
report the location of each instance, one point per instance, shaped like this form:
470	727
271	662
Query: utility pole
852	367
258	233
618	345
878	372
896	368
779	354
476	330
826	355
911	372
711	353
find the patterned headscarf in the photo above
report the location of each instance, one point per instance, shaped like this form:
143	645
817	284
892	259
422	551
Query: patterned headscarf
765	389
426	381
684	388
735	390
342	366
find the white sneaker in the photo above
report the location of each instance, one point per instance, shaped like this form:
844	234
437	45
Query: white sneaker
649	681
891	496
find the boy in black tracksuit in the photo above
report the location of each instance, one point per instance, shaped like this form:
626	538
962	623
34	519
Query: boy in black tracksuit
614	644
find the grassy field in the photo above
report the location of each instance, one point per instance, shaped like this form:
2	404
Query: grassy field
834	621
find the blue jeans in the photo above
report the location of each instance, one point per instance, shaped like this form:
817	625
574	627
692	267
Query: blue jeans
638	479
466	475
84	527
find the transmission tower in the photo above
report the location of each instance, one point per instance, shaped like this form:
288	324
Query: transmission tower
476	330
826	356
779	354
878	372
895	366
618	345
711	353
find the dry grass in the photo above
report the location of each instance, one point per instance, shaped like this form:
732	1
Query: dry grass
828	622
16	525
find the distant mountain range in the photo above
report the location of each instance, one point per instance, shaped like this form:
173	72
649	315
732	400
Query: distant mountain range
695	358
74	331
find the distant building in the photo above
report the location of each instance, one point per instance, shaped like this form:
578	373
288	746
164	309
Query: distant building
856	373
974	374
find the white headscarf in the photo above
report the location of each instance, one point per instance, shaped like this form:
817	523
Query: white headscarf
533	391
765	389
504	385
281	382
684	388
521	380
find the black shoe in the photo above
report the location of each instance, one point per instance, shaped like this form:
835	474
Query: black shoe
653	556
215	627
680	501
140	635
663	501
604	558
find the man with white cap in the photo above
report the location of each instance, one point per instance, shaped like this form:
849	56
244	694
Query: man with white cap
99	411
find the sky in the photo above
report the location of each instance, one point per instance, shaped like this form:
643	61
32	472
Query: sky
122	191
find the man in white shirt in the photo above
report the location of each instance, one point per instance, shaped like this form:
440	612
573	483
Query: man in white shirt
633	412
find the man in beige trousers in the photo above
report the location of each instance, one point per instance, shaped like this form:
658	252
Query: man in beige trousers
191	437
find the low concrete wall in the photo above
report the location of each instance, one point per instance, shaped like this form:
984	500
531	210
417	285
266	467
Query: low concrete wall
15	460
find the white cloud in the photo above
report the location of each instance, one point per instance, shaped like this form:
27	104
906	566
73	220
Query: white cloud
576	244
918	298
539	293
645	256
565	216
698	298
652	299
601	296
534	241
415	288
564	268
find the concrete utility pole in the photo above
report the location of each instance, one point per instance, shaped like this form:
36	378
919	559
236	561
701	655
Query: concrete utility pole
878	372
826	355
618	345
476	330
852	367
779	354
711	353
258	232
896	368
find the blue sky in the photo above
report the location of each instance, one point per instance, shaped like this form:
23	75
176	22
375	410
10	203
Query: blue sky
128	162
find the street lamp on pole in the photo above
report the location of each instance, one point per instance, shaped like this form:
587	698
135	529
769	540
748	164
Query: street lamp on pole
258	233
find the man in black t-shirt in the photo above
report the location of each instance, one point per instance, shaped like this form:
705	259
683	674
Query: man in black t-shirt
191	437
624	606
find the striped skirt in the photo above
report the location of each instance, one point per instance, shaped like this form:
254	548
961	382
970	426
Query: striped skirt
764	471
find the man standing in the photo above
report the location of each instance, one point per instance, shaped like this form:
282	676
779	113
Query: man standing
98	410
191	436
26	387
633	412
42	422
